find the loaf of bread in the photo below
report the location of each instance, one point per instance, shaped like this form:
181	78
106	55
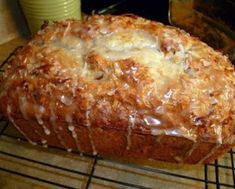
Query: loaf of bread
122	86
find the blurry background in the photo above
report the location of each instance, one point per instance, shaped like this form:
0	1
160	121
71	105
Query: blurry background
212	20
155	10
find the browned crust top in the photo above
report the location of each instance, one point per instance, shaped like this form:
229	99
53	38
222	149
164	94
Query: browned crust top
69	71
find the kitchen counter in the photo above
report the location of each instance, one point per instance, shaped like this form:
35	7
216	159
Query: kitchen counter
7	48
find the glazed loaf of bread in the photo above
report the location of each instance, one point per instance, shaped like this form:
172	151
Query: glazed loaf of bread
122	86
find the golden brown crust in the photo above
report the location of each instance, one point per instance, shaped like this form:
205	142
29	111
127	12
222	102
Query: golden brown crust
123	73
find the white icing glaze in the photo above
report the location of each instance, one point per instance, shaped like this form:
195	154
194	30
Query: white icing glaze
159	109
16	126
142	47
138	45
31	142
218	131
210	153
46	130
191	150
88	124
69	150
172	132
66	30
71	128
66	100
43	141
74	135
68	118
178	159
111	92
156	131
23	105
151	121
181	131
39	119
53	118
131	124
39	111
182	50
167	96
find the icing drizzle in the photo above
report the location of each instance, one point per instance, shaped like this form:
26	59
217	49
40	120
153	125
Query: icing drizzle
131	124
88	124
16	126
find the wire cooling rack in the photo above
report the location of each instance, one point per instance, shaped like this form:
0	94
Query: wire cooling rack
23	165
53	167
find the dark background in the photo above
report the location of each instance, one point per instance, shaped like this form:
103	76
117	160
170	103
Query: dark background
154	10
